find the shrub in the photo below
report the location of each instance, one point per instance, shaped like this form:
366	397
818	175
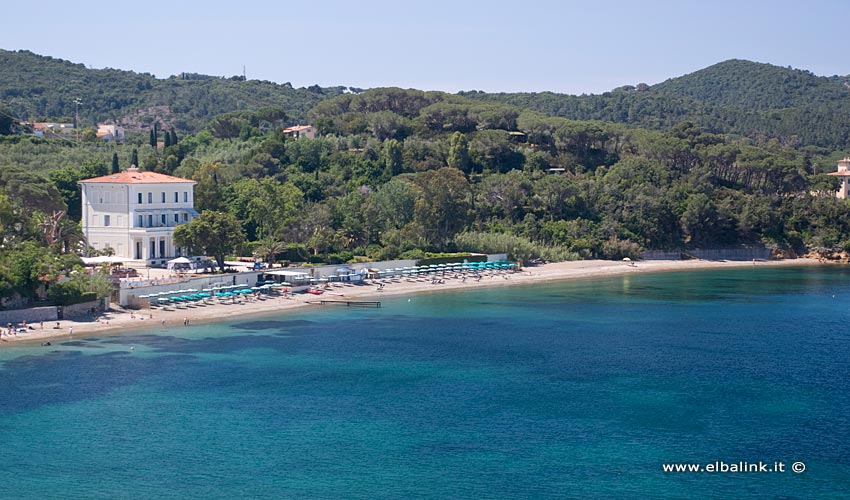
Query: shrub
518	248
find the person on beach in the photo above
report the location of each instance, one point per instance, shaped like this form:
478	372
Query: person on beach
70	331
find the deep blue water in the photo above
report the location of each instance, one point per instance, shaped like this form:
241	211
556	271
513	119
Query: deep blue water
577	389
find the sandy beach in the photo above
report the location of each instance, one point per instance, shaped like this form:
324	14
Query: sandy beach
118	320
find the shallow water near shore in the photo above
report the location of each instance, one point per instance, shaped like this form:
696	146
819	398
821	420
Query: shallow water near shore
574	389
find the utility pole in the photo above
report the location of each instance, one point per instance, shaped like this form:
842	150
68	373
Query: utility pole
77	103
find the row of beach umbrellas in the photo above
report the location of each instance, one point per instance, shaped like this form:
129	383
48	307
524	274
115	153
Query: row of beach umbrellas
428	269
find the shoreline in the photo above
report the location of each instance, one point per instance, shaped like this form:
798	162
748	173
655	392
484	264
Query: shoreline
118	320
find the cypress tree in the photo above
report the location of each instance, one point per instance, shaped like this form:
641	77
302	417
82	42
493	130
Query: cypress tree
134	161
115	167
173	137
167	139
153	138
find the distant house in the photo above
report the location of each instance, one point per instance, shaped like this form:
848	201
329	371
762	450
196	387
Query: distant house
518	137
110	133
843	174
43	129
298	131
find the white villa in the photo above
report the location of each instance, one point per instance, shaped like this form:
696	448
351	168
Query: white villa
843	174
298	131
135	214
110	133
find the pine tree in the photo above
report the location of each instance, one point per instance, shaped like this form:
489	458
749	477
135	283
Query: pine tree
115	167
459	152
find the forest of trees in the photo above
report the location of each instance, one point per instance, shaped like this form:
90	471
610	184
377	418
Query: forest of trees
39	88
397	173
758	101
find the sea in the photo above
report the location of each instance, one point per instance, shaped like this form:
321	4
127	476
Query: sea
585	389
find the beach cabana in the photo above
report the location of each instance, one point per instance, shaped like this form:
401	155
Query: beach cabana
179	264
297	279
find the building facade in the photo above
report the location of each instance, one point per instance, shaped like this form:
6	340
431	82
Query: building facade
111	133
135	213
843	175
299	131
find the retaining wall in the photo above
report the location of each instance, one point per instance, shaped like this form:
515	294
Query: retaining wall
30	315
740	253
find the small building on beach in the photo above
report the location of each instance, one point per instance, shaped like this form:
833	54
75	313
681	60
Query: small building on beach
296	279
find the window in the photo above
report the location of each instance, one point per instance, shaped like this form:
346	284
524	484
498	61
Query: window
150	220
163	197
140	198
105	220
162	218
176	217
176	199
141	223
150	197
185	217
185	197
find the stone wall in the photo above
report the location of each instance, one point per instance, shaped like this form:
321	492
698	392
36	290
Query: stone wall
82	310
737	253
30	315
52	313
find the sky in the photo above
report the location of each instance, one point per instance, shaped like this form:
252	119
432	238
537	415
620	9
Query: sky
566	46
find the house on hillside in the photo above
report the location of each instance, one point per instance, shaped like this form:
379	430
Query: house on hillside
135	213
110	133
42	129
843	174
298	131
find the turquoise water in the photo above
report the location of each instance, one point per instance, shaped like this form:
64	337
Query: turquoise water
577	389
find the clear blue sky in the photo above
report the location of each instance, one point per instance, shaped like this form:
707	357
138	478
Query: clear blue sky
564	46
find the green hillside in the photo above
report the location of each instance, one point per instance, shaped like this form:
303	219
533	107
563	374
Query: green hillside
755	100
37	87
755	86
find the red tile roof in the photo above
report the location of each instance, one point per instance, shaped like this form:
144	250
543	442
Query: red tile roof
134	176
297	128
